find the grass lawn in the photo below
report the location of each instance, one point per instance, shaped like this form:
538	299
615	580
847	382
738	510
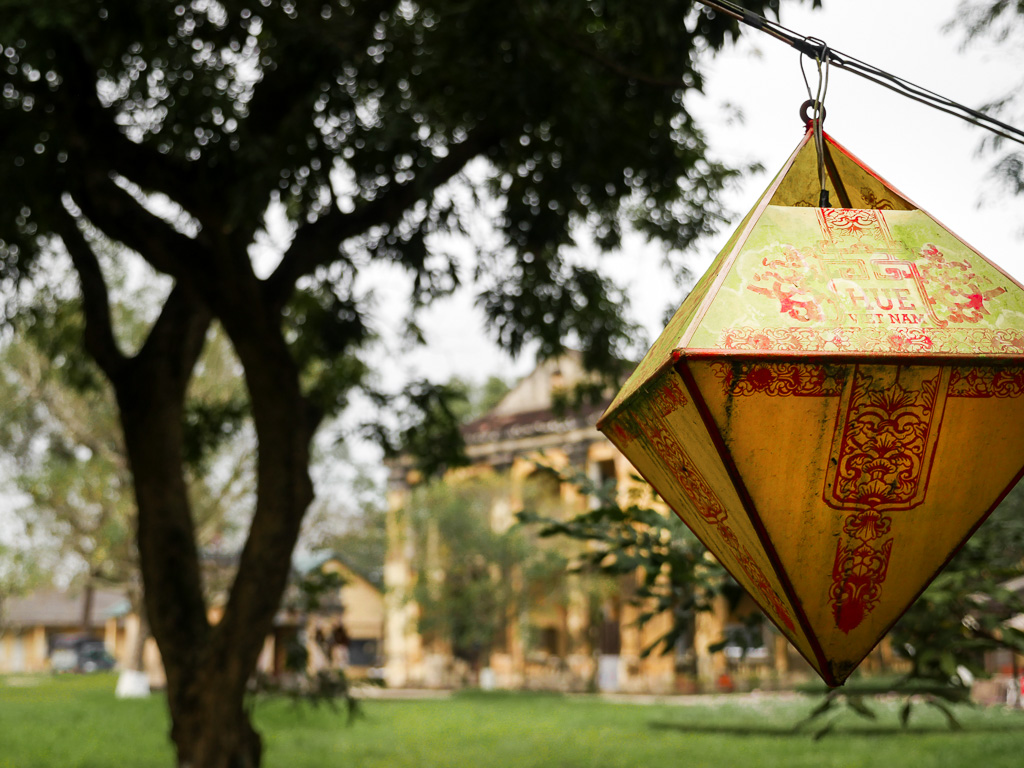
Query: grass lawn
75	722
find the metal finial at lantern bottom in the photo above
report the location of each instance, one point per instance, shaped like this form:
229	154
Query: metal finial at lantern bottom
836	406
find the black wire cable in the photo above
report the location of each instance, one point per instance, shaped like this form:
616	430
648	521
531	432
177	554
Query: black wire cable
818	50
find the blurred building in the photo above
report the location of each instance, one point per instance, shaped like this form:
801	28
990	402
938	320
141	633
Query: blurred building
575	642
34	626
345	629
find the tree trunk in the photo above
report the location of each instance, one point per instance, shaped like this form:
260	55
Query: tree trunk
205	686
87	600
210	727
208	667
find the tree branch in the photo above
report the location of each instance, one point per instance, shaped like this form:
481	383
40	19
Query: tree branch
312	49
99	332
177	337
285	422
121	217
150	394
316	244
104	147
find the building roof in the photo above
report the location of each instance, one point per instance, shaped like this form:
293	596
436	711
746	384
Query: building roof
540	405
52	608
494	427
306	562
551	381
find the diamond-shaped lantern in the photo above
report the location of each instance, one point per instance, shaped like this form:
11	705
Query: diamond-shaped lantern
836	407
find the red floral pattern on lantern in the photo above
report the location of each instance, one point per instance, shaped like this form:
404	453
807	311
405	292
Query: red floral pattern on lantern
622	433
907	340
883	445
867	526
857	576
880	463
843	224
785	280
741	379
670	398
692	482
882	451
982	381
955	284
858	287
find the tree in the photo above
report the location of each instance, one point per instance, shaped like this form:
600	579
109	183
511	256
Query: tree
1002	22
59	430
475	577
19	572
171	127
59	425
675	575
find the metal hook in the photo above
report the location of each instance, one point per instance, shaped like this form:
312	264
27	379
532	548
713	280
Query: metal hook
816	102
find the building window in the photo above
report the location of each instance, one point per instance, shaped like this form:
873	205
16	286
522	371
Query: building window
362	653
745	642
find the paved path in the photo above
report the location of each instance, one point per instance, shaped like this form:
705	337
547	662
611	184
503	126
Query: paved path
752	699
401	694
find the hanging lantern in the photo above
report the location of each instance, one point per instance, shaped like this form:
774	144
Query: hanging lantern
836	406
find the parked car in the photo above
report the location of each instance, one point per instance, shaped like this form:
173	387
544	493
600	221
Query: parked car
80	654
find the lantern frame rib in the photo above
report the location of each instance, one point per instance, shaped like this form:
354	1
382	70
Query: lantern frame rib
820	663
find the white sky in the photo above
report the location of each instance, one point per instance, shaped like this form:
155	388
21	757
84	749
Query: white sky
929	156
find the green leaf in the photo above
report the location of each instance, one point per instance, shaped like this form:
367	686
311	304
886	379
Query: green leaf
942	707
823	732
856	703
905	713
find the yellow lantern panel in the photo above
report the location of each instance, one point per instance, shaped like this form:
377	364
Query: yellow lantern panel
859	498
665	438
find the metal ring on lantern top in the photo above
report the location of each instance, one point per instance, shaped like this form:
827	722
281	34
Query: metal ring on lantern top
807	105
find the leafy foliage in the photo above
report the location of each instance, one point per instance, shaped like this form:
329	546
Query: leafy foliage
427	422
474	575
1000	22
963	613
59	427
856	696
428	432
676	574
226	106
58	424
